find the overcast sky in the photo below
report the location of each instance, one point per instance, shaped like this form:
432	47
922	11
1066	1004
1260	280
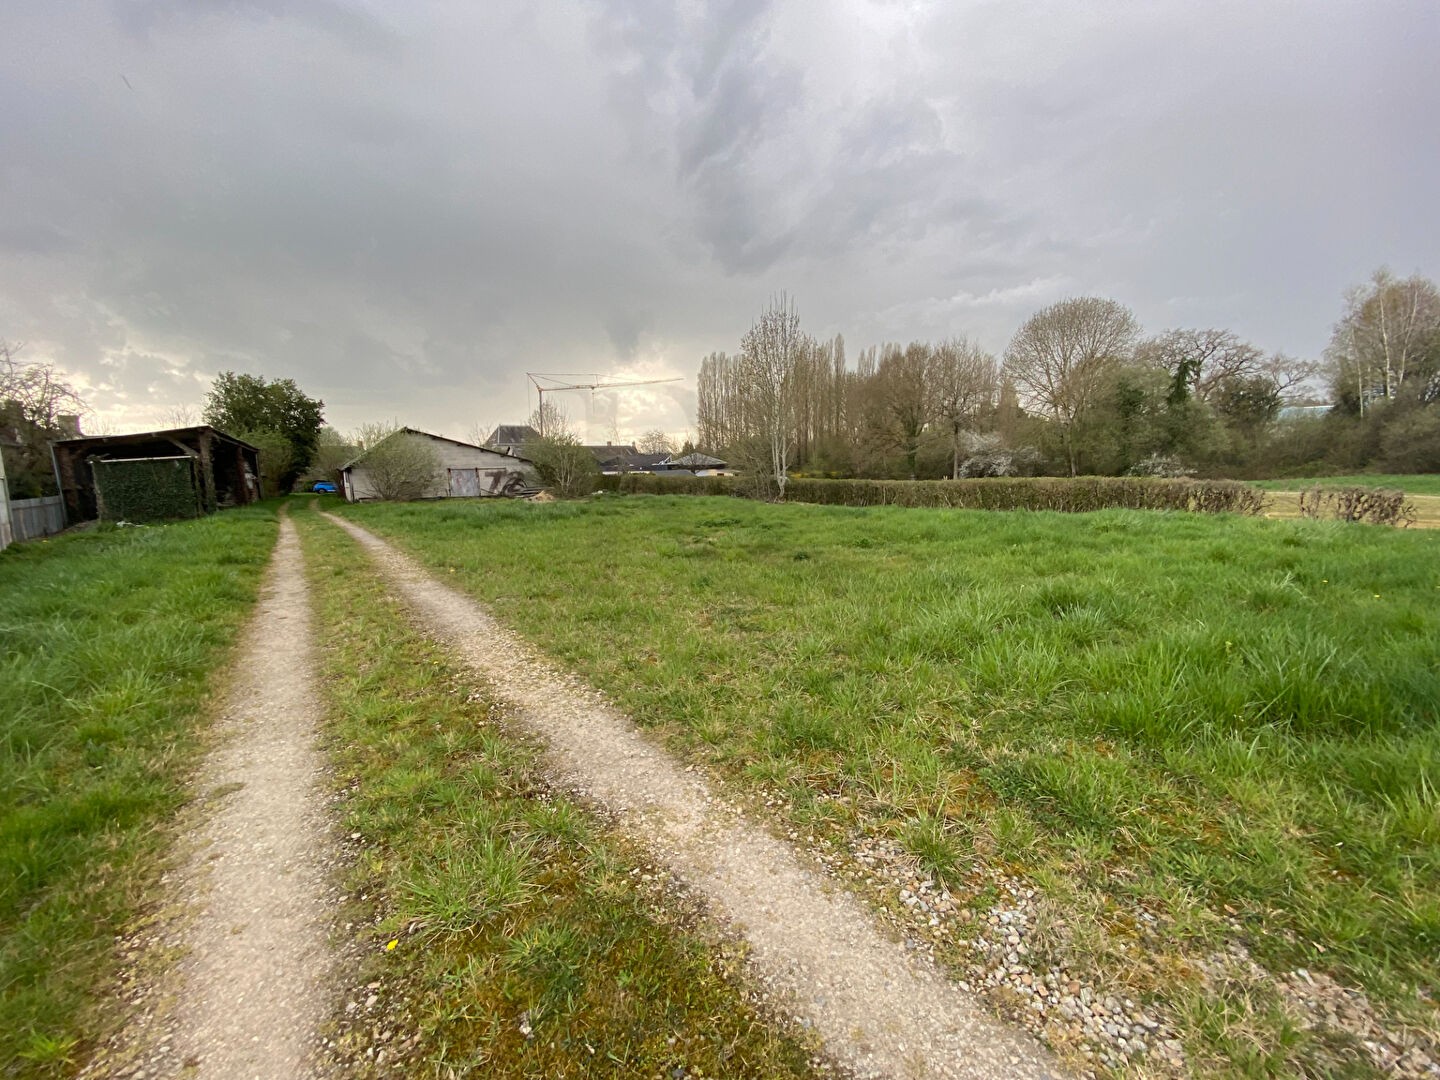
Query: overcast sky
405	206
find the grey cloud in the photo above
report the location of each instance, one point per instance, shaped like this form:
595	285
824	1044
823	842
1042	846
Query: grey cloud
344	22
406	207
624	328
34	238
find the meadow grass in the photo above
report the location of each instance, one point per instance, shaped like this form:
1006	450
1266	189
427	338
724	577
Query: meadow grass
1228	722
109	645
523	938
1411	484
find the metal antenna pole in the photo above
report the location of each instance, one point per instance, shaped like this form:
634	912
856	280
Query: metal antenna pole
565	381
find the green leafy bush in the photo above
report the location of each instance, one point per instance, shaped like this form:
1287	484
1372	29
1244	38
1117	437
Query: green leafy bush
1075	495
146	490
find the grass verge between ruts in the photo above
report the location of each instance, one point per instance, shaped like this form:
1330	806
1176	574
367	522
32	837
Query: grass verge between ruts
506	931
1228	723
110	644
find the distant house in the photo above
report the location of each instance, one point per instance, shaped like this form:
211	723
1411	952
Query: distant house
511	438
465	471
155	475
697	462
623	459
611	451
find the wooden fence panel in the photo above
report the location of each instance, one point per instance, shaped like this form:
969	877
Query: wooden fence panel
33	518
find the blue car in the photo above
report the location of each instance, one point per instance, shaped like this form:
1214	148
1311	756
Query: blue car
324	487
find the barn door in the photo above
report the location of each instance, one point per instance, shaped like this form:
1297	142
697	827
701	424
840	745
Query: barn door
465	483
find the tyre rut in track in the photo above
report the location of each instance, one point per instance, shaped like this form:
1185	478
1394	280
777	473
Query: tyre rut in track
880	1010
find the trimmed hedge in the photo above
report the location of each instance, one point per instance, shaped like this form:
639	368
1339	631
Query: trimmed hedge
1378	506
1076	495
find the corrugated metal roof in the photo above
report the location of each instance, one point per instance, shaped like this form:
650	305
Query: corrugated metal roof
432	435
142	436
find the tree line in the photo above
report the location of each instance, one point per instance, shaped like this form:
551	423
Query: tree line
1080	389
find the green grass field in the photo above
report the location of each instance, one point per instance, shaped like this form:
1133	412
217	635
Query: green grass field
527	941
1229	723
1417	484
109	642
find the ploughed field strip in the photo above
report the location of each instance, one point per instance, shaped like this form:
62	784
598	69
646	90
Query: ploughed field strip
879	1010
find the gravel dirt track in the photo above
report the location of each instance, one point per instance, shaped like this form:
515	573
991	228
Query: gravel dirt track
251	923
880	1010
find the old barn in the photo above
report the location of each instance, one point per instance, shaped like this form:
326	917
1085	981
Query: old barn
155	475
454	470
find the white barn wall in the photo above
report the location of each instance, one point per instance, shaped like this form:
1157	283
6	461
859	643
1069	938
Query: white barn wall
452	456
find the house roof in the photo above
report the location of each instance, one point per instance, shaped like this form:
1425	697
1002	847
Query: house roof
697	460
99	441
628	458
511	435
430	435
611	451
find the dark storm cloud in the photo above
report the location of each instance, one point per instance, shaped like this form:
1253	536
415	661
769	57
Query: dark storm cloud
406	206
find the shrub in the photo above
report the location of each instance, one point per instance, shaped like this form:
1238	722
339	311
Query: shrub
987	455
1012	493
400	465
565	467
1378	506
1159	465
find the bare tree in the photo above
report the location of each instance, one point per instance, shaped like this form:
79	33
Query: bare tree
181	416
898	401
964	380
1199	361
398	464
566	467
479	431
655	441
770	351
1390	332
36	392
332	451
35	401
550	420
1059	358
1291	376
